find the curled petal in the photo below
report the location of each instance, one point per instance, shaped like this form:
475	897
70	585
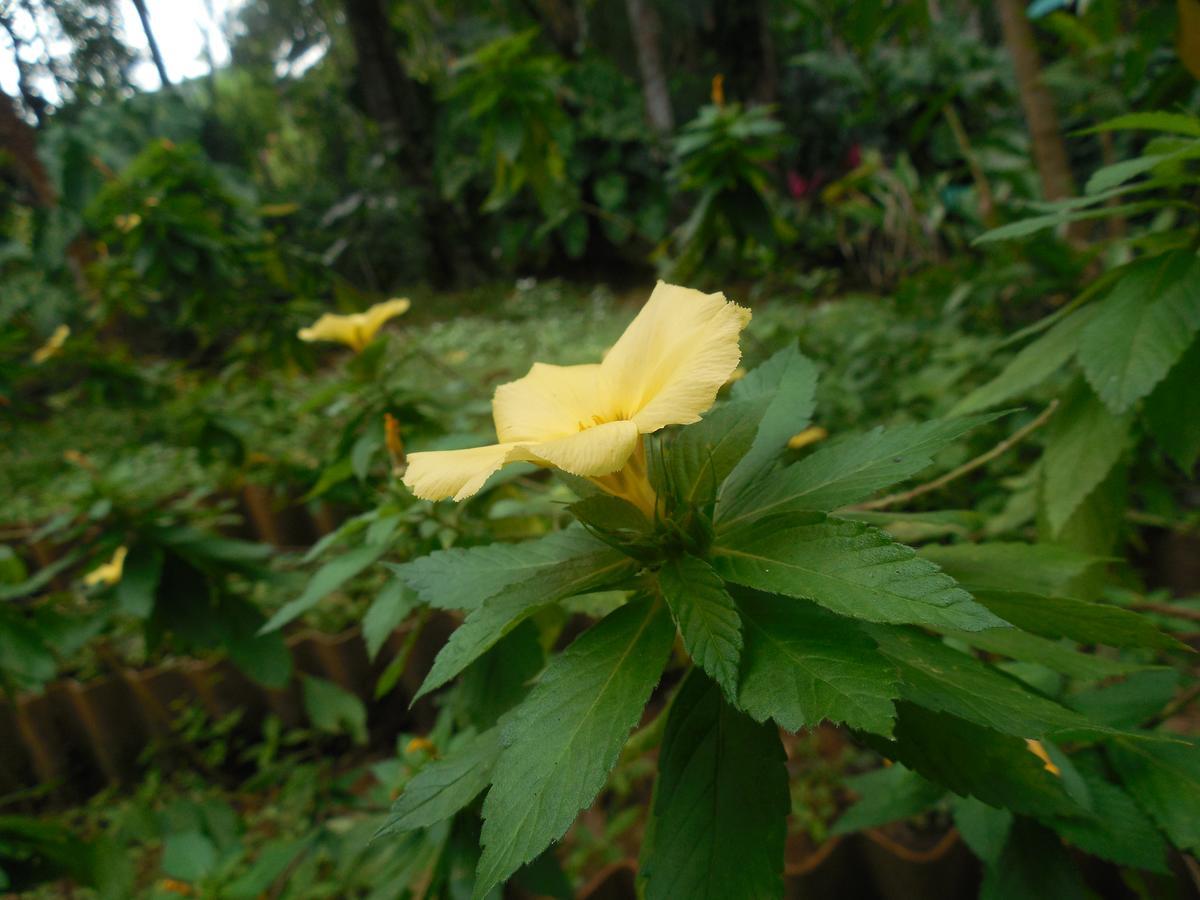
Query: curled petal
550	402
596	451
438	474
669	364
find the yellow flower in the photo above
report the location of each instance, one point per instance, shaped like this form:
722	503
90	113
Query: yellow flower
52	346
1036	748
808	436
110	572
589	420
356	330
718	90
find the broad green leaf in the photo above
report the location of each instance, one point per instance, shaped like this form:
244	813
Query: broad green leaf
390	607
850	568
1079	620
1011	565
23	653
886	795
1034	224
1172	123
327	579
189	855
1034	864
707	618
941	678
445	786
1171	410
610	514
561	742
333	709
721	803
500	679
983	828
1164	779
463	579
1084	442
802	665
1116	830
1142	328
1118	173
1128	703
975	761
845	471
136	591
700	457
788	382
1033	365
1025	647
504	611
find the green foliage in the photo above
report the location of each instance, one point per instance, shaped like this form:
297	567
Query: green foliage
720	802
722	156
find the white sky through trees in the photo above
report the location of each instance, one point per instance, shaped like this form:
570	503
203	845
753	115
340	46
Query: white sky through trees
181	28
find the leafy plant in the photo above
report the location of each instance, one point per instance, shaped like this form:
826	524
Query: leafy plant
791	609
722	156
1129	339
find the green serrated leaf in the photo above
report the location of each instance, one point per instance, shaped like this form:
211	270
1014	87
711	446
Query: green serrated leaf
802	665
1011	565
1164	780
1171	410
560	744
1128	703
788	381
1116	830
1020	645
850	568
504	611
886	795
445	786
720	805
390	607
464	578
976	761
941	678
844	471
1078	620
1142	328
707	618
500	679
701	456
1084	442
1033	365
327	579
983	828
1034	864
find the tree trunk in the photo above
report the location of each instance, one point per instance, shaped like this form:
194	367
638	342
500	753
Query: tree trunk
645	27
155	53
397	105
19	142
1049	151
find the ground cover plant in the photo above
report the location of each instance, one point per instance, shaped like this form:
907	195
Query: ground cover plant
600	449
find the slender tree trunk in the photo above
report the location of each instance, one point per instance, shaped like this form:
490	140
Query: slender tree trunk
155	53
19	142
646	28
397	105
1049	150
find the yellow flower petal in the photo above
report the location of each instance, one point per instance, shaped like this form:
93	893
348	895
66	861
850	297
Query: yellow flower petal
669	364
550	402
601	450
356	330
53	344
110	572
438	474
1036	748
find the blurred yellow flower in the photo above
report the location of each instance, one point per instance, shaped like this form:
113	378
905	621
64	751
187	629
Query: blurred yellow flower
52	346
718	90
127	222
589	420
808	436
355	330
110	572
1036	748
